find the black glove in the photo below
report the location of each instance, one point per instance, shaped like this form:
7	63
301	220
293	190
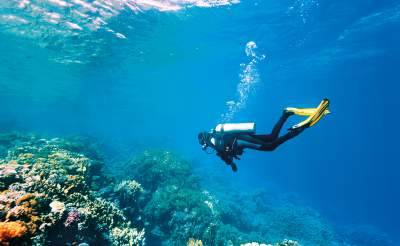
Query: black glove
226	157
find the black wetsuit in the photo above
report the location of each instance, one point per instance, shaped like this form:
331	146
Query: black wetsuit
229	146
268	142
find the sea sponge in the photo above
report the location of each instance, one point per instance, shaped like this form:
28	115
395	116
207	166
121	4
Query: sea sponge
12	230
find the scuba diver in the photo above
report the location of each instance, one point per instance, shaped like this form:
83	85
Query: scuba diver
230	139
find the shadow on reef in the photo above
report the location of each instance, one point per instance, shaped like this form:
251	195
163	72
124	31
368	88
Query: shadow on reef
59	192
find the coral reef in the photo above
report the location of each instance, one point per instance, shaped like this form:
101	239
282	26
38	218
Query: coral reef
59	192
154	169
49	196
283	243
177	207
126	236
194	242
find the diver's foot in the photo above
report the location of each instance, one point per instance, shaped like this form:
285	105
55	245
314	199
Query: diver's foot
288	112
315	115
299	128
234	167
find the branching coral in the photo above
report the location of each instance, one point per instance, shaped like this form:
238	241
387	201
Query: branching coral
126	236
129	190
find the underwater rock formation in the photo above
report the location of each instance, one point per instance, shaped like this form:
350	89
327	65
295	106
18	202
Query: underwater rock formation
49	196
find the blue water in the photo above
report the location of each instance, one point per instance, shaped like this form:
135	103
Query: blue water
171	73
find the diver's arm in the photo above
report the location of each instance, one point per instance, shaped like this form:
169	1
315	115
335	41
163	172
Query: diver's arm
228	159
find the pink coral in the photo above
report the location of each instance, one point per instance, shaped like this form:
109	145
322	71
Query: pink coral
73	217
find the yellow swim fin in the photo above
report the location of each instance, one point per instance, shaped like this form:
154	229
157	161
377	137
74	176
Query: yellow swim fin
314	114
304	111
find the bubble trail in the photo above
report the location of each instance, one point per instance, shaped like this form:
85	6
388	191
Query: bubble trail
249	77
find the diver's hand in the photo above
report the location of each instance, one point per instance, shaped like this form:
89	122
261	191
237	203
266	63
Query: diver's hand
234	167
226	157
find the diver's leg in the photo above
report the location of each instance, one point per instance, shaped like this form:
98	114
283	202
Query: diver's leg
273	145
251	139
262	139
242	146
275	131
265	146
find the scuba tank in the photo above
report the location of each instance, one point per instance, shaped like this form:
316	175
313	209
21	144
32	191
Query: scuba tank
236	128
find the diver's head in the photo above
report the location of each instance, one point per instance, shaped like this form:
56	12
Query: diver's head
202	137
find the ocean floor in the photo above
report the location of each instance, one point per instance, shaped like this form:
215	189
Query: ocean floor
62	191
